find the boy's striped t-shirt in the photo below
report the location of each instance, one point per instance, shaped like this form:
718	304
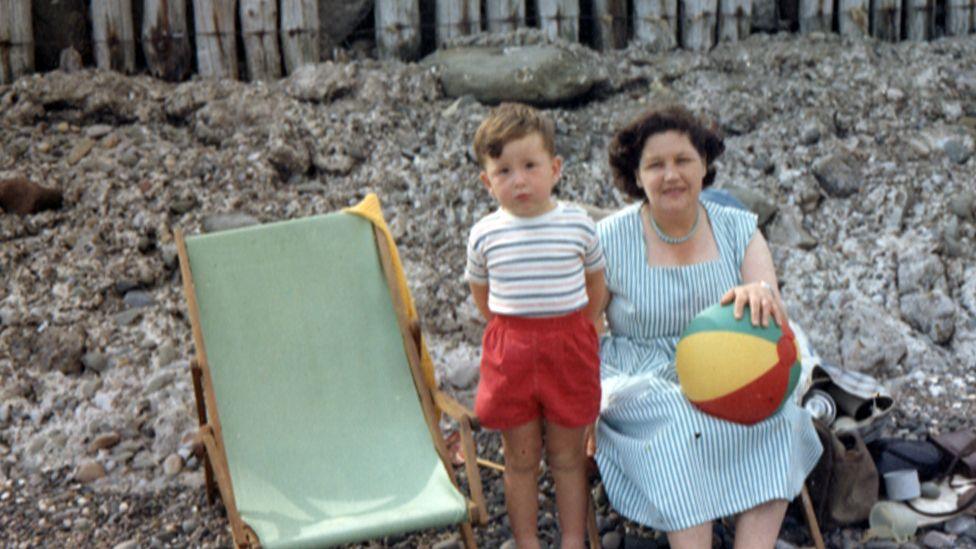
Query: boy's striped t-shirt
534	266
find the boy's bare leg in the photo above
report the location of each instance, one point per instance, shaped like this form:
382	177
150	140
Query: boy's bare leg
565	456
523	451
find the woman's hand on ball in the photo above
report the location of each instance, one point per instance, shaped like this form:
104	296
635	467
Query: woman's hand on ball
762	300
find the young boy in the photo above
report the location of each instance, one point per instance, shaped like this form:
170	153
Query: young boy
535	268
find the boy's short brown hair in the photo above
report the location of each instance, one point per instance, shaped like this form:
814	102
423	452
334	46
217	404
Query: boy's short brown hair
508	122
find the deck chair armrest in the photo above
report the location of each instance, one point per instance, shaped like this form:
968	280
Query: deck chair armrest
467	422
454	409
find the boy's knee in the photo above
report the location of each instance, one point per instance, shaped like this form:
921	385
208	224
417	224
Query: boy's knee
565	459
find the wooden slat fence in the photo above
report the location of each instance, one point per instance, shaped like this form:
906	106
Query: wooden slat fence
279	36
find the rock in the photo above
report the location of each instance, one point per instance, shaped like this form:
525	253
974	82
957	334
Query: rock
89	470
959	525
24	197
227	221
931	313
870	341
538	75
783	544
69	60
934	539
838	175
98	131
60	348
104	441
757	203
611	540
963	205
919	271
80	150
336	164
143	460
450	543
957	151
787	230
131	544
172	465
159	381
289	157
95	361
461	373
810	133
138	298
126	318
322	83
181	206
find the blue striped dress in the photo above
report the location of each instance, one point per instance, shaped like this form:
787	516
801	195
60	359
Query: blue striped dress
665	464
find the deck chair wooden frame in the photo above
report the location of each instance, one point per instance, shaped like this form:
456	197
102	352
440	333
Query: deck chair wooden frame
216	470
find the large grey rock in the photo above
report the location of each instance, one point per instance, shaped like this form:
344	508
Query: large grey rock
871	341
919	271
787	230
536	74
321	82
931	313
758	203
765	16
838	175
60	348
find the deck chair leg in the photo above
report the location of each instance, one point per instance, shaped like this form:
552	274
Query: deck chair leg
592	532
467	536
812	522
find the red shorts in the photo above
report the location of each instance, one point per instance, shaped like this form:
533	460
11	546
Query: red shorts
532	367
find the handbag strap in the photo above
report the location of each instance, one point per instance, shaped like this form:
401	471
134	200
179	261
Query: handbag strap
960	509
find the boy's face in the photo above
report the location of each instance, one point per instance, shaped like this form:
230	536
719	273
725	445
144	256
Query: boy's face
522	178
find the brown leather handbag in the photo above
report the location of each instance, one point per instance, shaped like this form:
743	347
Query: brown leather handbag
844	484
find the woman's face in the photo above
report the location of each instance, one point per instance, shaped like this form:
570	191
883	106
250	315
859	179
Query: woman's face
671	171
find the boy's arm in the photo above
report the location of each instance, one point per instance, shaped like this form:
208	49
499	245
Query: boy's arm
479	292
596	291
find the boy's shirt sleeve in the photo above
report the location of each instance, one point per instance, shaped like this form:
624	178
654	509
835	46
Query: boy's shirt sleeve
476	268
593	260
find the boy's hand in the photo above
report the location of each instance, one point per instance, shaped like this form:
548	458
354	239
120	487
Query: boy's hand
589	440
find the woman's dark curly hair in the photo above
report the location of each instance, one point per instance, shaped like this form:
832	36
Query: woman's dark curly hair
628	144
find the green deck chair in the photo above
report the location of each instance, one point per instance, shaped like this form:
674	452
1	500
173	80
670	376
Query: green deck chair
315	415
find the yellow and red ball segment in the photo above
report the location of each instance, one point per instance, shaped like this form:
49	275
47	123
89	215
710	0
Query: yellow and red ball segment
733	370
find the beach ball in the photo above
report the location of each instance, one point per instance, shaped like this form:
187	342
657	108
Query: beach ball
733	370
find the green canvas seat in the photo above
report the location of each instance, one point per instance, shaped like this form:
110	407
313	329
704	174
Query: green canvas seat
314	424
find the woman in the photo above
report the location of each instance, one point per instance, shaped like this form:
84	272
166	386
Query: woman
664	463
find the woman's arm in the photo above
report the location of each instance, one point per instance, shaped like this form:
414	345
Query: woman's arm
760	288
479	292
596	291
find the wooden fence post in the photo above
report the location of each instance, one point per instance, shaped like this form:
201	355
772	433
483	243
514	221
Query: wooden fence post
166	40
958	17
16	40
886	19
816	15
698	24
854	18
299	33
919	19
216	37
505	15
656	21
734	20
457	18
259	26
397	29
113	35
559	18
609	24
